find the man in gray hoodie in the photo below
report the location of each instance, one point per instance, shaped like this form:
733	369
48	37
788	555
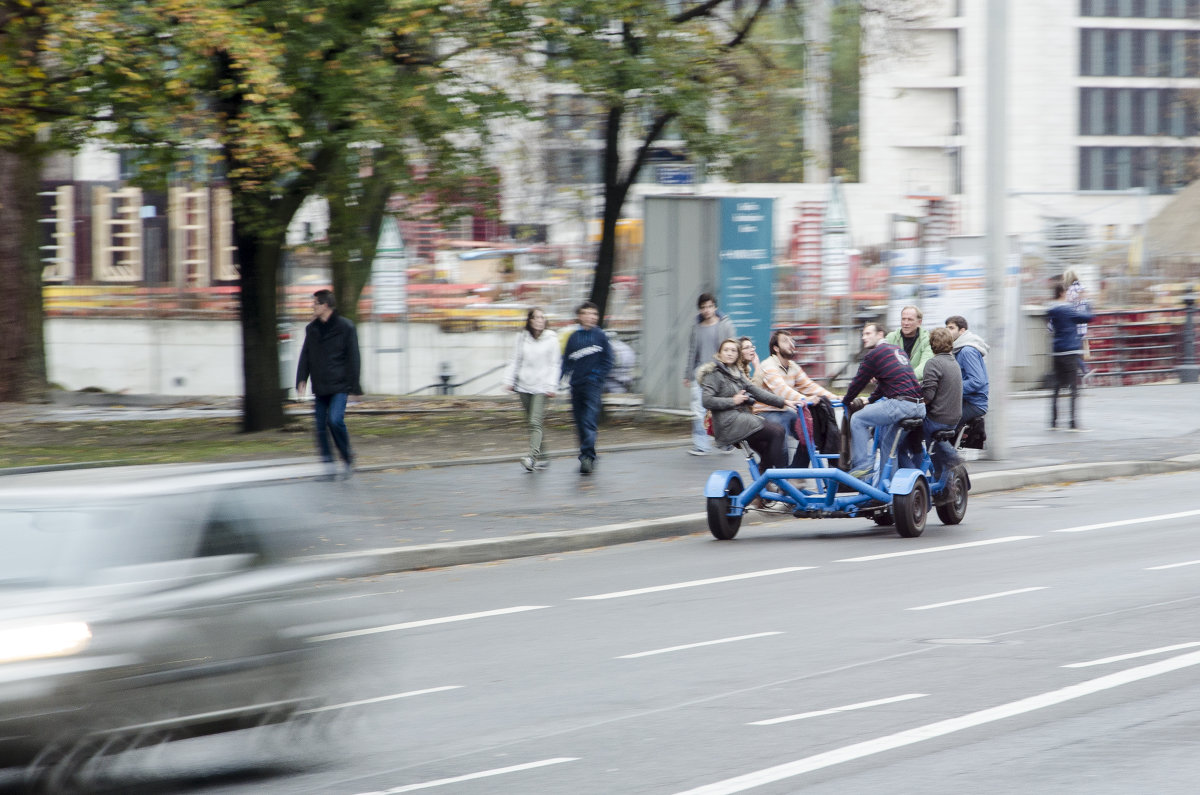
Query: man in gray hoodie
711	327
969	350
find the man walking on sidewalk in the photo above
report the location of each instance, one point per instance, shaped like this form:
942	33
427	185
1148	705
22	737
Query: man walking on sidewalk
330	358
897	396
1066	351
587	359
709	329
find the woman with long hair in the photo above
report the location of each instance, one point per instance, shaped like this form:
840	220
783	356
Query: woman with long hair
748	360
533	374
728	394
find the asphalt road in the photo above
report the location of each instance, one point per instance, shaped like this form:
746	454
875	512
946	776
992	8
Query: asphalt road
1048	644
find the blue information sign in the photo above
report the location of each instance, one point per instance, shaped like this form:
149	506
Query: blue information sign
747	267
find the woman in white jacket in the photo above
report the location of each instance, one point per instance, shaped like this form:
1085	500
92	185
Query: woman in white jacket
533	374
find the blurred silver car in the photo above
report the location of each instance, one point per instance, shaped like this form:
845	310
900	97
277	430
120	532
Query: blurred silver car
145	604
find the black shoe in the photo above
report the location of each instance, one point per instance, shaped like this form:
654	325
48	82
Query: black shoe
586	466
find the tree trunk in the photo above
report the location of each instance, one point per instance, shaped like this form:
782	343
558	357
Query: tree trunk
259	255
353	237
22	352
614	198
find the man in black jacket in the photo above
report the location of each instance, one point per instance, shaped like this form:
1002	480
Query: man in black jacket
330	358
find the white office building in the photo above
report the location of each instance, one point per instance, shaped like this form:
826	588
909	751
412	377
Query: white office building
1103	104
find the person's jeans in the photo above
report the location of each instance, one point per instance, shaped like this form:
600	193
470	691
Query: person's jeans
585	406
883	412
941	453
535	410
787	419
1066	376
700	438
970	412
330	419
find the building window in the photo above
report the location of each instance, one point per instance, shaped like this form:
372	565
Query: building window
575	166
1157	169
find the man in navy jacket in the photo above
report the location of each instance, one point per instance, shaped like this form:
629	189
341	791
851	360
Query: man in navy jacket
1066	351
587	358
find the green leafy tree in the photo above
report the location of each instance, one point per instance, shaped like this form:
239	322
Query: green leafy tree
290	99
652	67
41	110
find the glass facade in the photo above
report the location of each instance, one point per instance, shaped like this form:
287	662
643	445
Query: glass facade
1141	9
1153	108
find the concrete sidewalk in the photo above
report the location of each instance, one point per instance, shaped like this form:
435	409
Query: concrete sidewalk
427	514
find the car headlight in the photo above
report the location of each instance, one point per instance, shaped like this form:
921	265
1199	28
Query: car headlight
45	640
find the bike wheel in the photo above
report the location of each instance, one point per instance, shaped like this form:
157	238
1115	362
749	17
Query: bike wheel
723	526
911	510
953	508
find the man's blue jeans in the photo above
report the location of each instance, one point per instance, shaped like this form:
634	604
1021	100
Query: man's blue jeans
330	416
941	453
883	412
700	438
585	406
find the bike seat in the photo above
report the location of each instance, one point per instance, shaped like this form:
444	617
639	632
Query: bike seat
946	435
912	424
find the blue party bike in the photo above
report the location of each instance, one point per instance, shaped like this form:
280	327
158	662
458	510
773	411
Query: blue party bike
896	494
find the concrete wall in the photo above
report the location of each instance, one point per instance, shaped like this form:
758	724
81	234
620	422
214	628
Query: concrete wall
203	357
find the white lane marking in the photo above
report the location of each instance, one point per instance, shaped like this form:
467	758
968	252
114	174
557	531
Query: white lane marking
1173	565
499	771
354	633
943	727
1133	655
979	598
696	645
693	583
379	699
834	710
1162	517
926	550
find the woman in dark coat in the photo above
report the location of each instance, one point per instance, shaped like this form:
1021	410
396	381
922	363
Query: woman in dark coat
728	394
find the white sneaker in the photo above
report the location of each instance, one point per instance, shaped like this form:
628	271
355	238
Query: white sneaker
697	451
527	462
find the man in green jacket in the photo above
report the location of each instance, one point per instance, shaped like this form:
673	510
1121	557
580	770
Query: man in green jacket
913	339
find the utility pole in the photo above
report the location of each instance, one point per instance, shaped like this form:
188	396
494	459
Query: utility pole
996	177
818	76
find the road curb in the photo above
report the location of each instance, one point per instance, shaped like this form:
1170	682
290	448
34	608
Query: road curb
456	553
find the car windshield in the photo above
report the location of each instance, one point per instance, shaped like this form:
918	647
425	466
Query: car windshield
56	547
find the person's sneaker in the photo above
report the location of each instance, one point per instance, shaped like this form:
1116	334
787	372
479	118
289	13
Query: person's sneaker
541	463
1080	429
527	462
697	451
586	466
728	449
861	474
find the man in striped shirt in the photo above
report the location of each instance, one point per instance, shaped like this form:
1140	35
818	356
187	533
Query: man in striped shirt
897	397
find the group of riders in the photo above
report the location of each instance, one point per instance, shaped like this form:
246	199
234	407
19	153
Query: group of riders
937	376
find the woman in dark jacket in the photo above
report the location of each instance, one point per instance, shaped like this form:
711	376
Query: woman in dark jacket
728	394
